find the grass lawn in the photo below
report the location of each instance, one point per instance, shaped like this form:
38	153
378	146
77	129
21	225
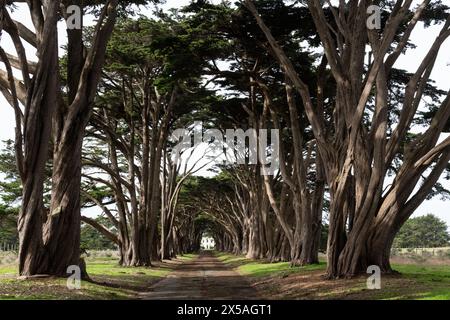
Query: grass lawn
256	268
433	281
109	281
281	281
187	257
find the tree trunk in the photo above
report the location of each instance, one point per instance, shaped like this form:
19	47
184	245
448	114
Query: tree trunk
254	245
41	103
62	228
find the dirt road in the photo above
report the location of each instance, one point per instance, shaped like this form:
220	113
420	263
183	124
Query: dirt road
205	278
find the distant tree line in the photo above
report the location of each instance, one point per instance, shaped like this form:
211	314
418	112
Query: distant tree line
423	232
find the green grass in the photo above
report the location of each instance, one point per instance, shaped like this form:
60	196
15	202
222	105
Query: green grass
105	267
56	289
187	257
113	269
424	273
10	269
110	282
433	282
415	282
262	268
232	260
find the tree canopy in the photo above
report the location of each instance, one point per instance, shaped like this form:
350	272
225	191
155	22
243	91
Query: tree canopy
423	232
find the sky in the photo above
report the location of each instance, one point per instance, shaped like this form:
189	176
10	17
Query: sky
421	37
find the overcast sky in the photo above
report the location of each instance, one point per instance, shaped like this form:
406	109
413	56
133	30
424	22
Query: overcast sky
421	37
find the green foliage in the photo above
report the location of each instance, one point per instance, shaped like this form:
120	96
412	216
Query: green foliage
125	7
156	54
91	239
174	50
10	193
262	268
323	237
10	182
427	232
10	185
8	225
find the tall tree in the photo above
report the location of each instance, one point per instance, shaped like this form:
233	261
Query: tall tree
50	238
149	87
267	97
357	153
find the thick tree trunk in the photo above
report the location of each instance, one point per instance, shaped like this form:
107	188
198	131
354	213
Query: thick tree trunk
309	252
62	228
141	247
379	248
359	254
245	239
41	103
254	245
51	248
336	239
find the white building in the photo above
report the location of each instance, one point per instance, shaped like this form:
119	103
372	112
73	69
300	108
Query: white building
207	243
